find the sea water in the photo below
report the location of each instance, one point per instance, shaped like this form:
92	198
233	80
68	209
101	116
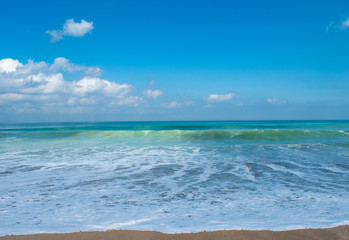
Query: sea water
173	176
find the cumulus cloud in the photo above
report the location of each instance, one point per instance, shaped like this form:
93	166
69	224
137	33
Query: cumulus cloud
43	84
9	65
220	98
275	101
89	85
64	64
71	28
154	94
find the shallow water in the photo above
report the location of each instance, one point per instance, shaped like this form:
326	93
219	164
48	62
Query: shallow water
173	176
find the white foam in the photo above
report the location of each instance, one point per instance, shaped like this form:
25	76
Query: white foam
169	186
128	223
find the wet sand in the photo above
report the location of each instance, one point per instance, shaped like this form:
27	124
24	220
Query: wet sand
341	232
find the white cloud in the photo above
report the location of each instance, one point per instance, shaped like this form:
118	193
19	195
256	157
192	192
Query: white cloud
55	34
31	67
338	25
43	85
345	23
92	84
116	90
11	96
71	28
176	104
64	64
88	101
276	101
61	63
173	104
9	65
219	98
154	94
132	101
87	85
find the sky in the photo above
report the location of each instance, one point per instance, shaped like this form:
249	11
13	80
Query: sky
173	60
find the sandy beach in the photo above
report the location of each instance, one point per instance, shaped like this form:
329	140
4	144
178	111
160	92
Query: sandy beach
340	233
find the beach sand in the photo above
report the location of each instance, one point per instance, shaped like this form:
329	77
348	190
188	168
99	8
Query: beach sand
341	232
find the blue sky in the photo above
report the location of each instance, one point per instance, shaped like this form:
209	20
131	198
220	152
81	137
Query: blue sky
173	60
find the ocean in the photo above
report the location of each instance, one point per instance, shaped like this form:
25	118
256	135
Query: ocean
173	176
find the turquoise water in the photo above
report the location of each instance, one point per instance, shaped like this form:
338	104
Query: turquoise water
173	176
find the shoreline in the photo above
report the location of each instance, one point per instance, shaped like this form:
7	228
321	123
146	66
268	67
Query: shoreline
334	233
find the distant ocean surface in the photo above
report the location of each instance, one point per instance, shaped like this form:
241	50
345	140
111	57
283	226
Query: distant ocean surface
173	176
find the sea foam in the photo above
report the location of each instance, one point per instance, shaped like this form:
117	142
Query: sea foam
173	177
